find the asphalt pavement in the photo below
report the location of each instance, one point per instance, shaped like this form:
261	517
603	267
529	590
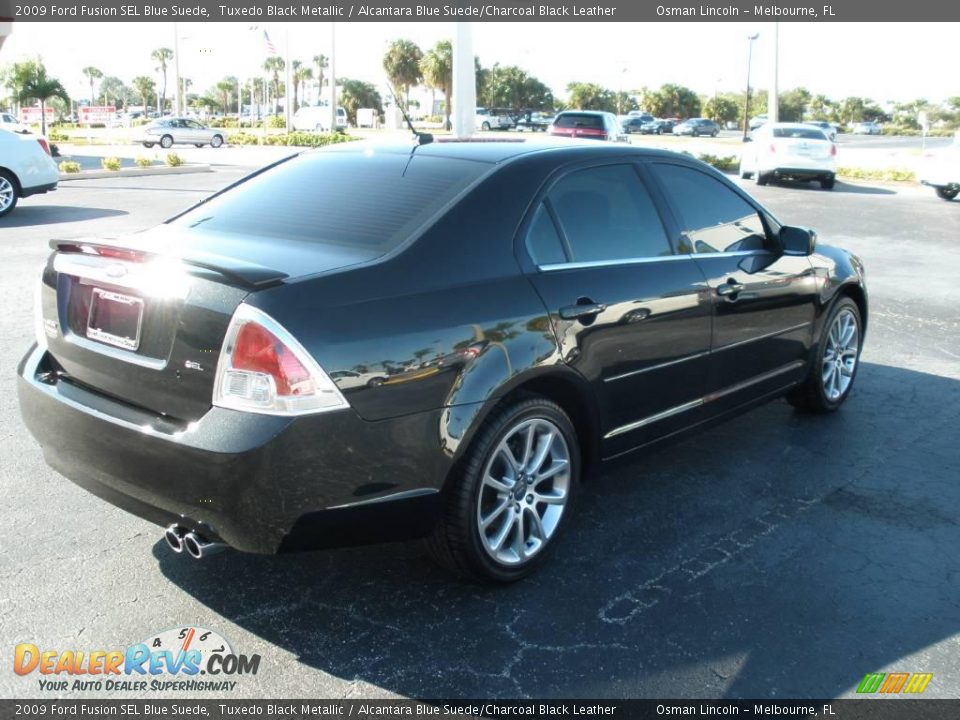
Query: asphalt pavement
778	555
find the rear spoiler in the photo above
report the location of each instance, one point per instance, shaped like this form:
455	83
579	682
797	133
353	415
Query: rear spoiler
237	271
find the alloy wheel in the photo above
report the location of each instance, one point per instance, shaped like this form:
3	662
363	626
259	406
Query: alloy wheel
840	355
7	193
523	491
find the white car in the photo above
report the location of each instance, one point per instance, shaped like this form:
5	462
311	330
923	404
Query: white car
10	122
789	150
167	132
941	171
490	120
317	118
26	168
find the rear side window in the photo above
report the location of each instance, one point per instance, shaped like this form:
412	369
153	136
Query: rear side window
358	199
714	218
584	120
799	133
604	213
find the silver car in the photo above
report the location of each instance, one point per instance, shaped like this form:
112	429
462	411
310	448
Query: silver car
167	132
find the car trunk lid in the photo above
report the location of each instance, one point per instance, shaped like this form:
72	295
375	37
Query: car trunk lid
143	319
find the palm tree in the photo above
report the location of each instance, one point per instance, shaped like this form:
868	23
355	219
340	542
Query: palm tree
225	87
43	88
320	61
92	74
145	87
301	74
162	56
275	65
402	63
437	69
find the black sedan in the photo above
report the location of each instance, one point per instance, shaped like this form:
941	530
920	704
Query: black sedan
352	346
697	127
658	127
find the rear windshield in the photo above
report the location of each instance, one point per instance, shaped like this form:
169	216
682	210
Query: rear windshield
569	120
799	133
367	199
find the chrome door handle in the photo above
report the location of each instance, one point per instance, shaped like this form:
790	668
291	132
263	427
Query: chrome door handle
578	311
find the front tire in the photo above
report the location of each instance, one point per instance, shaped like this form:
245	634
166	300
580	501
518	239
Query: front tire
166	142
512	494
8	193
828	183
762	178
216	142
946	193
485	127
835	361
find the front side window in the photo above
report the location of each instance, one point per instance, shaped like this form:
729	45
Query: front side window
713	217
603	214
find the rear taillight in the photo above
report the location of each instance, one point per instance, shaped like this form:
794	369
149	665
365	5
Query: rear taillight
263	369
44	145
833	150
773	147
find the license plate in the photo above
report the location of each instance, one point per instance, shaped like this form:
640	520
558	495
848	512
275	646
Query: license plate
115	319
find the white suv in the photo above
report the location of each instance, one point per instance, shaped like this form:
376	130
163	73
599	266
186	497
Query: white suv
789	150
9	122
26	168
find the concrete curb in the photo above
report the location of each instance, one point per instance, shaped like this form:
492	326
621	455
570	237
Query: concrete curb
136	172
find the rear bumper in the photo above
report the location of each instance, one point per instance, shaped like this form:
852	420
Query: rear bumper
803	170
258	483
37	189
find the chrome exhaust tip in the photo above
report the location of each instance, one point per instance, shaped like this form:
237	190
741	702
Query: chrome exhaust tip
174	537
199	547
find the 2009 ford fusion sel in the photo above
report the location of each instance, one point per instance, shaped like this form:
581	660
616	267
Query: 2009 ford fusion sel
371	343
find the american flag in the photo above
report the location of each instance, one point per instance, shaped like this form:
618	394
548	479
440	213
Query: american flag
268	44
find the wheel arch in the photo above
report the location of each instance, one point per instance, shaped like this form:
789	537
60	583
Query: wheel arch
560	385
16	180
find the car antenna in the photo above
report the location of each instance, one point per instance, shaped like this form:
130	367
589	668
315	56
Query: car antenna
423	138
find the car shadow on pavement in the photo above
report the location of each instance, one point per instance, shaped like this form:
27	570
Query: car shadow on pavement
839	187
27	216
775	555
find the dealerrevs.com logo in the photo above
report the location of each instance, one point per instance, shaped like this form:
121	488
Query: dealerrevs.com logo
189	659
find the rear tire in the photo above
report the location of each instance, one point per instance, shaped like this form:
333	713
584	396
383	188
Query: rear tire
216	142
8	193
485	127
834	362
762	178
493	527
199	144
828	183
947	193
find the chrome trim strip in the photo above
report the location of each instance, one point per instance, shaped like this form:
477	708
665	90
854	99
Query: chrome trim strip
766	336
637	424
404	495
550	267
610	263
654	418
115	352
753	381
657	367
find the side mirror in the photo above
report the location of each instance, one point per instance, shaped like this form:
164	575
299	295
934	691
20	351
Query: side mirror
797	240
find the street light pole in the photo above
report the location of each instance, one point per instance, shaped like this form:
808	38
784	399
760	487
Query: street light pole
177	108
746	103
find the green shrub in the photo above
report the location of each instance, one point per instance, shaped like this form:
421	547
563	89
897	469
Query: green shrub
69	166
174	160
888	174
276	122
56	136
110	163
726	163
294	139
143	162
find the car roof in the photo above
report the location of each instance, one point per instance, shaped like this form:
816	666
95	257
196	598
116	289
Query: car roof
496	151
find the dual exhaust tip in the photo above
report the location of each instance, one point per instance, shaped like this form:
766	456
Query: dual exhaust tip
197	546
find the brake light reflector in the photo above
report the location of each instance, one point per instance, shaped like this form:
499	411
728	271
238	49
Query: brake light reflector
833	150
262	368
44	145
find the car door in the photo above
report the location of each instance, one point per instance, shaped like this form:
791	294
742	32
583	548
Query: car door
630	315
763	300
